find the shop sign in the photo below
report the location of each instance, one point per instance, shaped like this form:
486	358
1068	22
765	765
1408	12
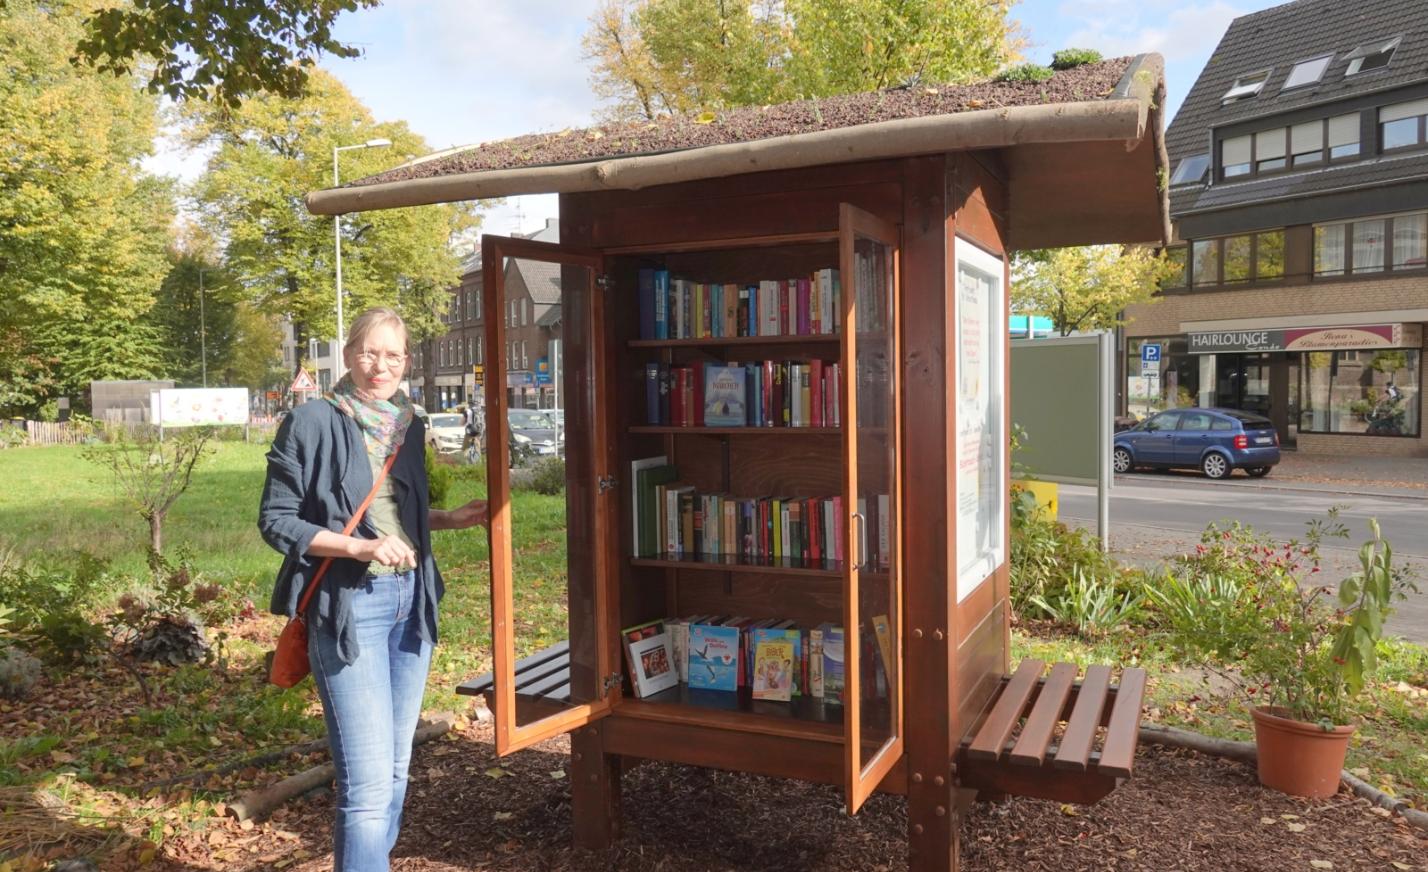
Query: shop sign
519	379
1308	339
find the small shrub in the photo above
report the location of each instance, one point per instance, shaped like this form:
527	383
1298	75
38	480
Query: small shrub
438	477
548	476
19	672
1046	555
51	606
1092	605
1025	73
168	622
12	436
1069	58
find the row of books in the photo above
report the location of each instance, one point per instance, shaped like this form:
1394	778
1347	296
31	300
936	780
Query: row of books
673	308
774	658
767	393
672	519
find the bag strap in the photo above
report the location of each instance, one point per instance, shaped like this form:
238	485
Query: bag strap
346	531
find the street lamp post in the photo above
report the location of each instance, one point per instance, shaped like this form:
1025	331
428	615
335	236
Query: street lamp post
337	243
202	329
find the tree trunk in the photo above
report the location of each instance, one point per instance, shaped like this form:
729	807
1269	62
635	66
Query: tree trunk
156	532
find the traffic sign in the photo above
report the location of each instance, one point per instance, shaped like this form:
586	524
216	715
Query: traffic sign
303	384
1150	352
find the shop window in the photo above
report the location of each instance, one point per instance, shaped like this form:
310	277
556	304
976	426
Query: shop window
1373	245
1269	255
1237	259
1206	267
1373	392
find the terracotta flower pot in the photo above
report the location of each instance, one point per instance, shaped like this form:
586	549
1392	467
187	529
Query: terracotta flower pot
1298	758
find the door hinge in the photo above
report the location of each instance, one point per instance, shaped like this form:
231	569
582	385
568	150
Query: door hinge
611	682
604	282
608	482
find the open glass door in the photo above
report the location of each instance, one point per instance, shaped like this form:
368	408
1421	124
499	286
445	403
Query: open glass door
868	258
550	570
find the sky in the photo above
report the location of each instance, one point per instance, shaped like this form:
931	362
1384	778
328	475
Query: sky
461	72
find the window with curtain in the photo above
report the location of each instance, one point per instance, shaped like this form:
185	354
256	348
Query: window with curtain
1370	392
1401	125
1269	147
1410	241
1235	156
1329	255
1368	246
1343	136
1306	143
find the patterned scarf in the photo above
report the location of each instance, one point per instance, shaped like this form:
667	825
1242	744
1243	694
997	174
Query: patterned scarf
383	422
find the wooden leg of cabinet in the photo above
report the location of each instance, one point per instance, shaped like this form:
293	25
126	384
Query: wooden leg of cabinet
595	790
933	838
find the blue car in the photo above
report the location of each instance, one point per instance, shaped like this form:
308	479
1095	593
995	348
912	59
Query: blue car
1215	441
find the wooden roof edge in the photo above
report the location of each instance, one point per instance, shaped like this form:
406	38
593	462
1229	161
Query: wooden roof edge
1124	115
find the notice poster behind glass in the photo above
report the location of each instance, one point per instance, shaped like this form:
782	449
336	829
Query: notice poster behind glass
980	421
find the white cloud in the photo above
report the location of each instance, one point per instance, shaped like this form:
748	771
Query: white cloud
1123	27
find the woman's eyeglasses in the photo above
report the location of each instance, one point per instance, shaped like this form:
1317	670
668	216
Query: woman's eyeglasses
386	359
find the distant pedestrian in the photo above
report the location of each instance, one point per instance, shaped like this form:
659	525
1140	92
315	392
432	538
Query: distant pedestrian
373	618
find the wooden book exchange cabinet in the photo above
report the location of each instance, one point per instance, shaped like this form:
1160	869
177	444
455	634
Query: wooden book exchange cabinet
917	215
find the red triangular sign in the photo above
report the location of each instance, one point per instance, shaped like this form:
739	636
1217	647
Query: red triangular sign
303	383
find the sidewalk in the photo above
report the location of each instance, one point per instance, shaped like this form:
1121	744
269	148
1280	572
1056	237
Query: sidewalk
1402	477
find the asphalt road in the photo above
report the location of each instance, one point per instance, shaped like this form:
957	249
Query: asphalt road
1158	515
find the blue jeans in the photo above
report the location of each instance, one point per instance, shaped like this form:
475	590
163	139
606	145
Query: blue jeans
371	707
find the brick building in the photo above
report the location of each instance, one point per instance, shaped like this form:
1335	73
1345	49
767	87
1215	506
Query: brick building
1299	196
532	323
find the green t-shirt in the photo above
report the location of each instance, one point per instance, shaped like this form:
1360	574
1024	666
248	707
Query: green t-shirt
384	515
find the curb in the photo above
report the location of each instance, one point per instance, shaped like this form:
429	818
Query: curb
1281	488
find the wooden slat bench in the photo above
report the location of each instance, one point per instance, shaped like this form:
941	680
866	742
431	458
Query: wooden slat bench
543	677
1020	747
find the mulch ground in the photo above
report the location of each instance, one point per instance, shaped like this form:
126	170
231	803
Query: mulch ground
468	810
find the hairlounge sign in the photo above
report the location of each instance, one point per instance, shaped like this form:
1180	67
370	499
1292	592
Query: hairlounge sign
1363	336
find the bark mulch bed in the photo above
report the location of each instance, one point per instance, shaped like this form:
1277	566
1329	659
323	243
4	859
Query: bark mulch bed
1089	82
468	810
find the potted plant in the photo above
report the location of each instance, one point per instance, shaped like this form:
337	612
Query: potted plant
1255	612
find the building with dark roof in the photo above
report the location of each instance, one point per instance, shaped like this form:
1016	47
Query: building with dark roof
1299	199
532	322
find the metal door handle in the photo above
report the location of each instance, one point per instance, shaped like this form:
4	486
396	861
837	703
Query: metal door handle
862	539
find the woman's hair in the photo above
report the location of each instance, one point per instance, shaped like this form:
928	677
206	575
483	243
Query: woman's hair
370	320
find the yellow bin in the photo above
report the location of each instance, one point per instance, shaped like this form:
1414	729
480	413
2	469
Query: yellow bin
1044	492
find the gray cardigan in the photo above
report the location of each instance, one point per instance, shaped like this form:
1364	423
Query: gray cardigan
318	475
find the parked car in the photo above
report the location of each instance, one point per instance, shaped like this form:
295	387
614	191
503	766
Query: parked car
533	434
1215	441
447	431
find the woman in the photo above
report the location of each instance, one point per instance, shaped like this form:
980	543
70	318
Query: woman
372	621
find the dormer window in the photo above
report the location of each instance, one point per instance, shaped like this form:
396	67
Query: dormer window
1191	169
1307	72
1246	87
1371	56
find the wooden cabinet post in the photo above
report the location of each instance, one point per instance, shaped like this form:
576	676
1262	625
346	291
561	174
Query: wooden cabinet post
594	789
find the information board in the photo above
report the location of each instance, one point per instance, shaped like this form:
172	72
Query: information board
199	407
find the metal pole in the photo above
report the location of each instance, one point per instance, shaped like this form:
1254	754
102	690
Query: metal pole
1105	427
337	242
202	329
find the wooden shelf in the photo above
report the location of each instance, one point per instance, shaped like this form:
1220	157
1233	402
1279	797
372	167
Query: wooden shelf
731	563
741	431
802	717
737	341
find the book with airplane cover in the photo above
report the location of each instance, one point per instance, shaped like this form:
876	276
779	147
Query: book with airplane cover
713	657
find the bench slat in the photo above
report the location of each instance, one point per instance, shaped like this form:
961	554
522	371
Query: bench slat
992	737
1075	750
1031	746
1118	753
543	687
482	683
539	672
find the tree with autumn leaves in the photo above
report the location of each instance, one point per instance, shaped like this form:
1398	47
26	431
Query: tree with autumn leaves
1087	288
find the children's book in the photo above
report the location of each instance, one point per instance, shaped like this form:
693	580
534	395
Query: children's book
773	670
713	657
833	672
783	631
652	661
724	399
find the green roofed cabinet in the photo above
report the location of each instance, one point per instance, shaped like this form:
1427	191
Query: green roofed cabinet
917	215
